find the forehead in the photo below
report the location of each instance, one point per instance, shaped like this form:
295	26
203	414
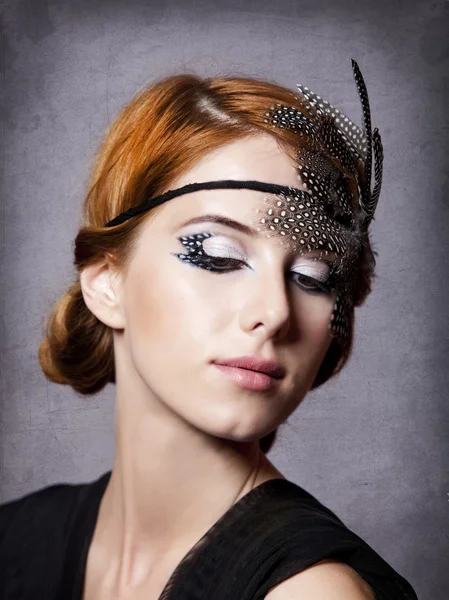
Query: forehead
258	157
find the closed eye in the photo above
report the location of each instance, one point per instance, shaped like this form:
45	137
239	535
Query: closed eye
222	264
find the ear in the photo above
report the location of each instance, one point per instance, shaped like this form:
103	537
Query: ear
101	287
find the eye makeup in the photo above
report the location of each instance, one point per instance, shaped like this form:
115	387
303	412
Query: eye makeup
217	254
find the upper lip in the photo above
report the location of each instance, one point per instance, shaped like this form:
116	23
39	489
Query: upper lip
254	363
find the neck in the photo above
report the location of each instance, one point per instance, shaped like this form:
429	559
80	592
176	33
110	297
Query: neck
170	483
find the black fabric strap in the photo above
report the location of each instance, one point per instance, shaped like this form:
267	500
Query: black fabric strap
259	186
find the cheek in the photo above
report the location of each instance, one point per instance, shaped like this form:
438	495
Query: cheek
315	313
169	314
314	317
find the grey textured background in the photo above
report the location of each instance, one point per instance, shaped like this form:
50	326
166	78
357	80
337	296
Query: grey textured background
373	443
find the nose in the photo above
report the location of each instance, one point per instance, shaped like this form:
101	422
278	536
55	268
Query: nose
267	304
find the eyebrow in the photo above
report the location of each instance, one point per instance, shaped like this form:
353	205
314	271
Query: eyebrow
237	225
222	220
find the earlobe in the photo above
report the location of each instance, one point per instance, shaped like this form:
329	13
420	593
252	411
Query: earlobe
100	295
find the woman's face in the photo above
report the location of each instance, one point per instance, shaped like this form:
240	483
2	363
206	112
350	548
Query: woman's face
179	317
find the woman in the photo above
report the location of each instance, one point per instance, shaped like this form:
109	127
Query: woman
214	313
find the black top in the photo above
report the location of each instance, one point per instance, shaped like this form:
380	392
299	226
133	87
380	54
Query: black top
276	530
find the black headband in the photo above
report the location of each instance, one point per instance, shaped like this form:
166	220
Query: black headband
260	186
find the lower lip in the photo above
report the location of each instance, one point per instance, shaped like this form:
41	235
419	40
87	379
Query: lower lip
251	380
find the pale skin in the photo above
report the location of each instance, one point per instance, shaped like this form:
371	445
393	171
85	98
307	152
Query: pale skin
186	436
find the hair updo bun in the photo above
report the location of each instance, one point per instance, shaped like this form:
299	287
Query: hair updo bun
162	133
78	349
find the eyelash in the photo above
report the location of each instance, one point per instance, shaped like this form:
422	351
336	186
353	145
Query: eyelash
209	263
317	287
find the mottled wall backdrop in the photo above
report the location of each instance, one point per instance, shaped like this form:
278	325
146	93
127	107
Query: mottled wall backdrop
372	444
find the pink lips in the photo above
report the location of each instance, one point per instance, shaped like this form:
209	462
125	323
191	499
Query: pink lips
253	363
251	372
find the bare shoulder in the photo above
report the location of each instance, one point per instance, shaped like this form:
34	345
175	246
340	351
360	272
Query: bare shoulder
328	579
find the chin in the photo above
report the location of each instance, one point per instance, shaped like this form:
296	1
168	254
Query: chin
243	423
